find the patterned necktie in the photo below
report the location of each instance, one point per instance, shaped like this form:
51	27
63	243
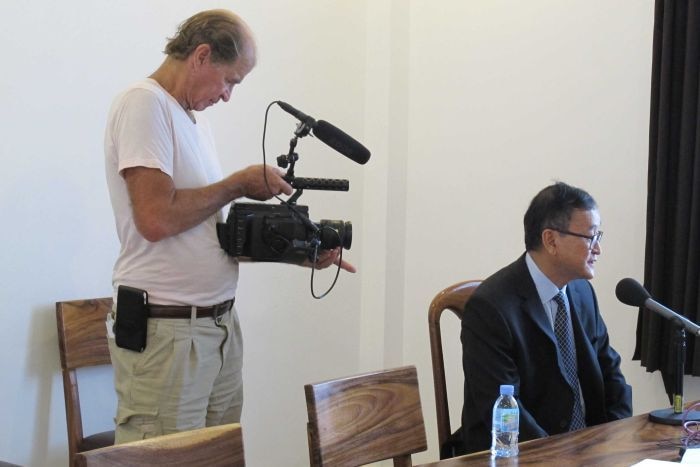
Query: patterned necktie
565	342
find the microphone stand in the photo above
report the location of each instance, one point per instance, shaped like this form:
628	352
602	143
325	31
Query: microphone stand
675	415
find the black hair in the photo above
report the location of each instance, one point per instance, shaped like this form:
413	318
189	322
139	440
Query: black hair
552	208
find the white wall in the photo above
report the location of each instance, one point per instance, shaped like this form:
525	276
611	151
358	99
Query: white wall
65	61
469	109
505	97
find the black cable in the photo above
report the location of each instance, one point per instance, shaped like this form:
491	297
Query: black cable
691	427
300	215
267	185
337	271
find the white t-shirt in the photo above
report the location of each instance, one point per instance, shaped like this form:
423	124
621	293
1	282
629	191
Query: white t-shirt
147	127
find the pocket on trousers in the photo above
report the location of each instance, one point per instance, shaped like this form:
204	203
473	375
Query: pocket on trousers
137	427
157	353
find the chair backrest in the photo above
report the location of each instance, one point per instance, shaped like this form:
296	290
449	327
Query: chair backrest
82	341
453	298
214	446
366	418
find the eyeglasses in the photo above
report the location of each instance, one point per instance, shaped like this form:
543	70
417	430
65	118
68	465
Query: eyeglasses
593	239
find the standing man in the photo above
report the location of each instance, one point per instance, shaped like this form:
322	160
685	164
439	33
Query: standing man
535	324
167	193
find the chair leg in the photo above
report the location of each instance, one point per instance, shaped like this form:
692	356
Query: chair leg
403	461
313	460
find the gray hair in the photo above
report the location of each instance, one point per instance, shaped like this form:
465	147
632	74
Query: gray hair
222	30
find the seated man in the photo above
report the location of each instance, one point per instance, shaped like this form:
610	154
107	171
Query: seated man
535	324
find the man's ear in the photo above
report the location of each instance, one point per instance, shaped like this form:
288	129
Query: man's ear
549	241
201	54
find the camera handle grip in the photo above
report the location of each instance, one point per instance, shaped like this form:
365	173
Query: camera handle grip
327	184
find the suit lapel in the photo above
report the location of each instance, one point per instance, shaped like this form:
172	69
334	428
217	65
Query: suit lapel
584	351
589	373
530	301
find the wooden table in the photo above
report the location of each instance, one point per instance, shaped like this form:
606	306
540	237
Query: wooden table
620	443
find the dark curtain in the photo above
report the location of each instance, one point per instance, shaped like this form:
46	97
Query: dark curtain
672	256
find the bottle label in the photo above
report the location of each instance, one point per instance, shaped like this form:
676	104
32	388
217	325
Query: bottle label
506	419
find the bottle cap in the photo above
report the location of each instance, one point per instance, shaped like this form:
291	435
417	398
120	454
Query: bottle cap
506	389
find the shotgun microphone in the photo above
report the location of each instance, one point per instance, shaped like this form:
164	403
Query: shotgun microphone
331	135
298	114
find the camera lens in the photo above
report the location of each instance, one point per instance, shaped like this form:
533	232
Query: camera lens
335	233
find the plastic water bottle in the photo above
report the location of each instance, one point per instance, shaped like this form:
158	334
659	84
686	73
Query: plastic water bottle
506	420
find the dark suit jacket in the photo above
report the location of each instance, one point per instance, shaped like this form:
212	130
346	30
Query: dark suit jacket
508	339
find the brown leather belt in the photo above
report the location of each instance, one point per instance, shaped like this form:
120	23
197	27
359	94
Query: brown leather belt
185	312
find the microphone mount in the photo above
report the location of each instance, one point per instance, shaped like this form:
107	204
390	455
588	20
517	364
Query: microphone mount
304	128
288	161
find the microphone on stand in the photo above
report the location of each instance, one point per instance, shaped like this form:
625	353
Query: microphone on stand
630	292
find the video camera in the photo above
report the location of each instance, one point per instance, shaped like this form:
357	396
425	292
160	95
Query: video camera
284	232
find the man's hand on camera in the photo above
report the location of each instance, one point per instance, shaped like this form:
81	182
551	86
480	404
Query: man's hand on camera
253	179
328	257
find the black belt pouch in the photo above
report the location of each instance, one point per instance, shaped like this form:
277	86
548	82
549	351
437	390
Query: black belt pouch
131	325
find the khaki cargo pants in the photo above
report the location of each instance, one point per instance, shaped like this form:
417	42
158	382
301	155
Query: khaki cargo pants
188	377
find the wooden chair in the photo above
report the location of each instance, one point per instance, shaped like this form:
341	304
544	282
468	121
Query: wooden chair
453	298
214	446
82	341
366	418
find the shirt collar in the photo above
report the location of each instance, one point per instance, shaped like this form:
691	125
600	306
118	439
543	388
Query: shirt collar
545	287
